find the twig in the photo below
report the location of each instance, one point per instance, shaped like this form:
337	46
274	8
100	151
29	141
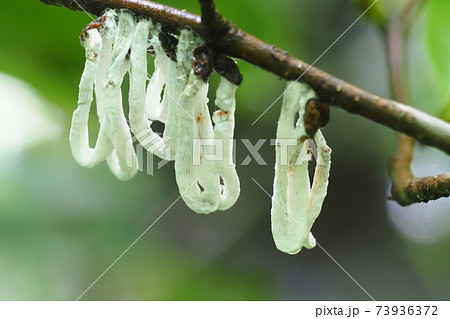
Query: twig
428	188
239	44
214	23
406	189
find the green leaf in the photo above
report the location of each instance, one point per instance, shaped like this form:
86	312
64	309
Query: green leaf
445	112
375	14
381	11
438	43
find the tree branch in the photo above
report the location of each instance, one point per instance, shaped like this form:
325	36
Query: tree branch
239	44
406	189
214	23
429	188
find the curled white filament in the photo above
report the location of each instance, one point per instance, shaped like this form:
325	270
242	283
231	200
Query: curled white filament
140	103
122	162
79	136
174	96
105	66
223	131
197	178
295	206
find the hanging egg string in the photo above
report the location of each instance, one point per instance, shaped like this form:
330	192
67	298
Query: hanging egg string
176	95
105	67
203	197
122	161
205	60
208	193
146	105
295	203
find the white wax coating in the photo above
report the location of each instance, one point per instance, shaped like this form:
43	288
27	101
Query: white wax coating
163	83
79	136
156	111
170	106
209	178
120	134
297	196
109	34
188	175
137	95
320	183
310	242
288	222
154	90
295	206
102	71
192	103
224	130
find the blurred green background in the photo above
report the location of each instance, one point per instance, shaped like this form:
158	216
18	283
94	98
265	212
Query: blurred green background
62	225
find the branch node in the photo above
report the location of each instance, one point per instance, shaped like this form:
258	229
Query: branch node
216	27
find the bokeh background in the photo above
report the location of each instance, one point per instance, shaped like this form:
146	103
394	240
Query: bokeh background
62	225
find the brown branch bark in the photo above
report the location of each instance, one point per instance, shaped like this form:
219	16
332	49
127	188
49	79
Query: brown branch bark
428	188
239	44
214	23
406	189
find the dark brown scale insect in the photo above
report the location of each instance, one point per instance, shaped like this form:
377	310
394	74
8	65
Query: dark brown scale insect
169	44
227	68
202	63
317	115
96	24
151	50
324	110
